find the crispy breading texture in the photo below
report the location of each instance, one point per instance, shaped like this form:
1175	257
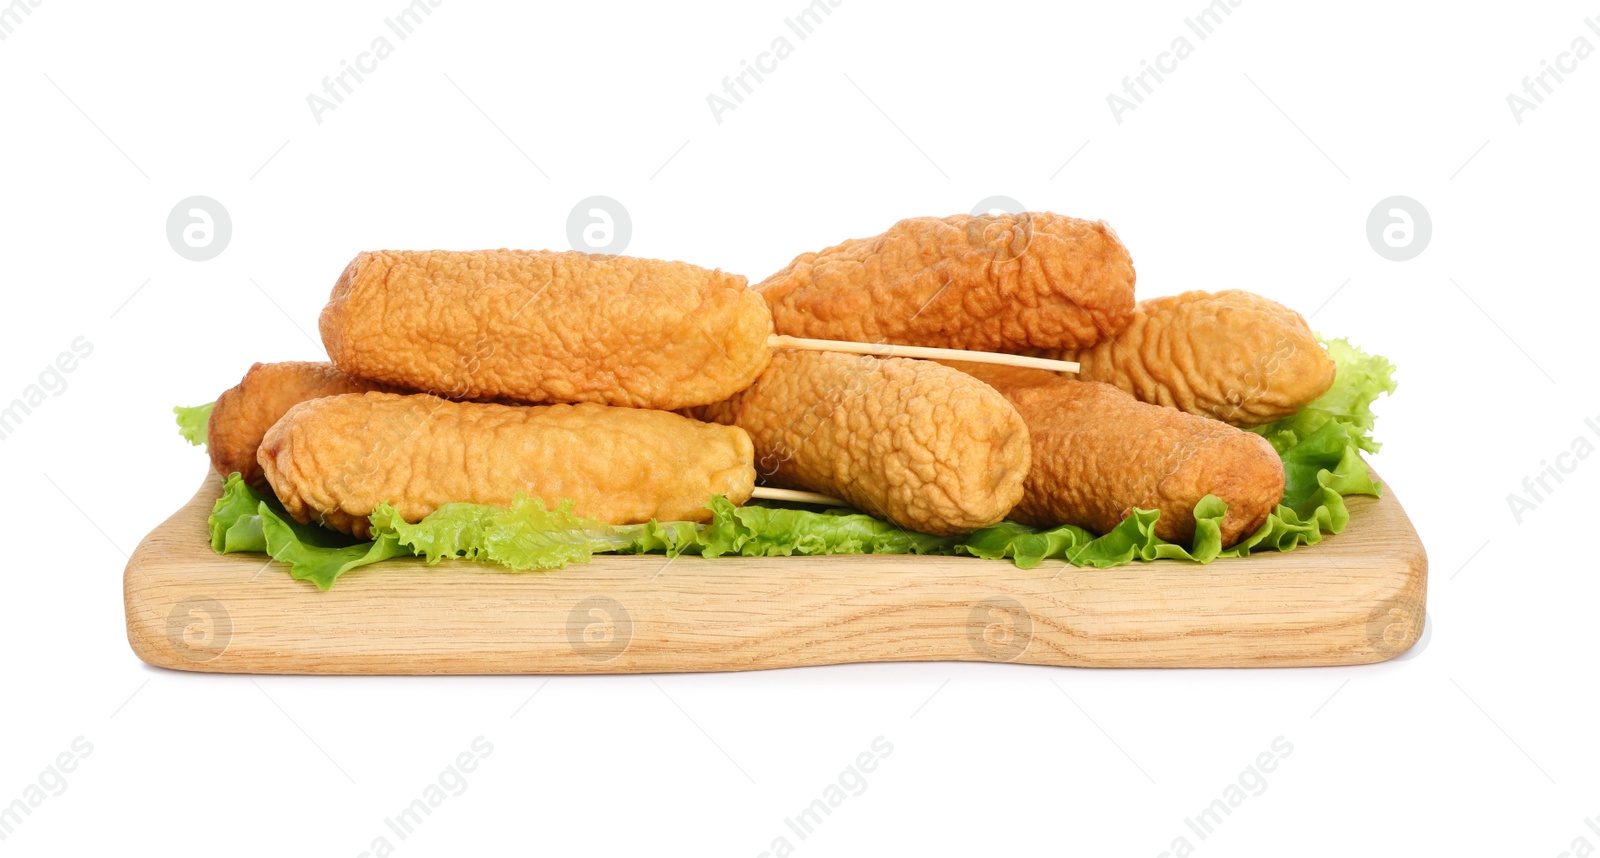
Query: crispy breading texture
334	460
1232	355
919	444
540	326
1098	453
244	412
1007	283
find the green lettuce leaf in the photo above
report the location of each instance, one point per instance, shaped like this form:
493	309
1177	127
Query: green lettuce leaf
1360	380
770	531
244	520
1320	446
526	536
192	422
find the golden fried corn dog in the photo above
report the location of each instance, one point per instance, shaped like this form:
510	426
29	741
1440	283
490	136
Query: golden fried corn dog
244	412
919	444
1098	453
540	326
334	460
1004	283
1232	355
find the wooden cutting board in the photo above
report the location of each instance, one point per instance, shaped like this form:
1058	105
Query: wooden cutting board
1355	598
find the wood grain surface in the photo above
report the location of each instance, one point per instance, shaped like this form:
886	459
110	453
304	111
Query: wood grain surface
1356	598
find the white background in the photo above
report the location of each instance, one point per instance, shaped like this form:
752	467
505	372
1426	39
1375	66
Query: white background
1254	165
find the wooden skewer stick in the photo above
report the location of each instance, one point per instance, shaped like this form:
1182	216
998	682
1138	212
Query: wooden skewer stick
778	341
793	496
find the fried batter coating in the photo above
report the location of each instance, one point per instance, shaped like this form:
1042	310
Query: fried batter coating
333	460
1098	453
999	283
244	412
919	444
540	326
1232	355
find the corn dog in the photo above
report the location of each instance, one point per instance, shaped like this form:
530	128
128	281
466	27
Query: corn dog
333	460
1098	453
919	444
539	326
1006	283
244	412
1231	355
